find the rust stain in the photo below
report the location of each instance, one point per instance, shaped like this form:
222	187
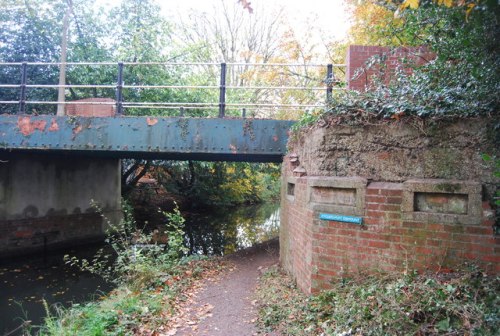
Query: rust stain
27	127
233	148
383	155
275	138
151	121
54	127
40	125
77	130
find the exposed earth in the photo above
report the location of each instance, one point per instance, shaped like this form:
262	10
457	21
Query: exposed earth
225	306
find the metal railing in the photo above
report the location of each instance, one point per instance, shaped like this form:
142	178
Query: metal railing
329	84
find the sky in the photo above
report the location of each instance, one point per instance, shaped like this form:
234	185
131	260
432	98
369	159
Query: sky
314	21
329	15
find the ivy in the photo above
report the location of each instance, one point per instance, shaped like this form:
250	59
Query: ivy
462	81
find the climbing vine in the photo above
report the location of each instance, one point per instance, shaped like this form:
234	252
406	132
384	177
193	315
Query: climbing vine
462	81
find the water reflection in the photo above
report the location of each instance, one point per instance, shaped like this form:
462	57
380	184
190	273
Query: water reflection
225	232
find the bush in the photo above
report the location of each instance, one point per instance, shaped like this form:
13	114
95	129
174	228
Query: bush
151	280
135	259
461	303
463	80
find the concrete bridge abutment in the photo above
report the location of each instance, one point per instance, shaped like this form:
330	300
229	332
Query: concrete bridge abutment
45	200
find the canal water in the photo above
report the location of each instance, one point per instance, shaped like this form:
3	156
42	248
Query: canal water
26	282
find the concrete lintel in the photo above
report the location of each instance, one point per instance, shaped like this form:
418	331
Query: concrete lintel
385	185
440	186
337	182
348	183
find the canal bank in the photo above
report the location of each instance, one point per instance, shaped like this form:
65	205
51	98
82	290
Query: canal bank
25	283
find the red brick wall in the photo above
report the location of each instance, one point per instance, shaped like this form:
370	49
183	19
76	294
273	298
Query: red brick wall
28	235
386	242
317	251
91	110
357	56
299	247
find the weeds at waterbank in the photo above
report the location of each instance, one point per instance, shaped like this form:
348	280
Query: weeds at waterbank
124	311
152	281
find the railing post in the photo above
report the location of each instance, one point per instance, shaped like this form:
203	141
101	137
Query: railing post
329	82
244	113
181	111
22	96
222	91
119	87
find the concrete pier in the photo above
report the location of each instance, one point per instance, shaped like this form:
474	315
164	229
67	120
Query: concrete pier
45	200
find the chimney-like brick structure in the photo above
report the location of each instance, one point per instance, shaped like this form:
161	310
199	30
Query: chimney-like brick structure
91	110
387	198
358	74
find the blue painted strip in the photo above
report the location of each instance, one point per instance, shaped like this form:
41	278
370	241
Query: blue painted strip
341	218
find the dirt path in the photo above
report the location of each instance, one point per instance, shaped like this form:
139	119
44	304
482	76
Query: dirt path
225	307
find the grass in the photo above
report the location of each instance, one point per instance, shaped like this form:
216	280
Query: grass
461	303
152	283
127	311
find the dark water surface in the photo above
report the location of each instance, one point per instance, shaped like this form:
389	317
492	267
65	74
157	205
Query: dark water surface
25	282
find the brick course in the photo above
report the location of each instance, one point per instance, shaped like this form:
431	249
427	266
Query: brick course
316	251
91	110
358	74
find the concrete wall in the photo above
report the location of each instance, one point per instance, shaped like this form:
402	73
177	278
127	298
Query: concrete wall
396	152
45	200
423	196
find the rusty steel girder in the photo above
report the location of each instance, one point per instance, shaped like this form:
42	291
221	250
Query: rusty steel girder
172	138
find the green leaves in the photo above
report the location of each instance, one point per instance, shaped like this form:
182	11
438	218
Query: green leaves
385	304
443	325
463	81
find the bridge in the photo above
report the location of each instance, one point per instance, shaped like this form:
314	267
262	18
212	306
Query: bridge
231	136
53	162
159	138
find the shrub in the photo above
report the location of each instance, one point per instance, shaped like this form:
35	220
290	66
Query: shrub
460	303
135	259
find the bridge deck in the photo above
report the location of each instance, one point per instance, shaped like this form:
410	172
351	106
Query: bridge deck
173	138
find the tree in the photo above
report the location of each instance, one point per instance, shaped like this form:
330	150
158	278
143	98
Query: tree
229	34
463	79
370	23
30	31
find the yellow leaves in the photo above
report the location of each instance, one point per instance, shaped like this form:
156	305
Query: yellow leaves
366	16
469	9
413	4
447	3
